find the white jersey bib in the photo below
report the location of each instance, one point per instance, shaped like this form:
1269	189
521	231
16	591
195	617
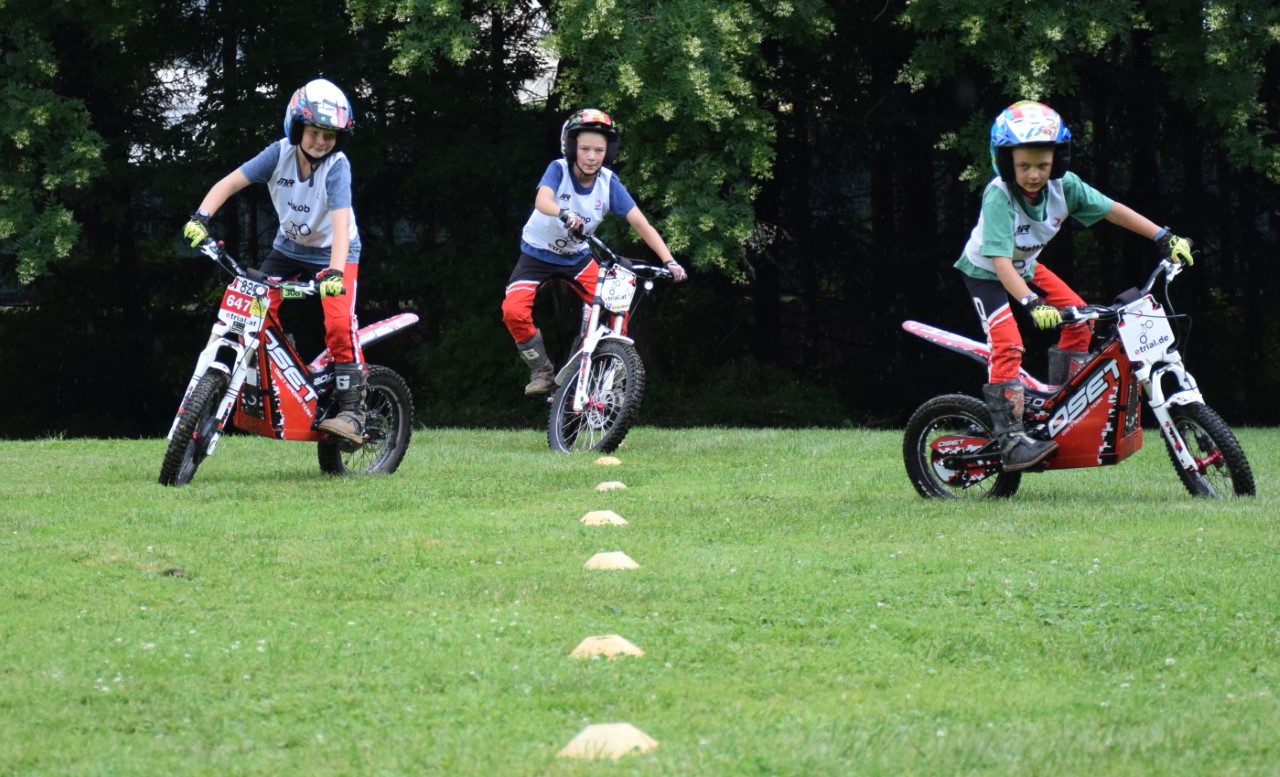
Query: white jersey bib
1029	237
546	232
303	206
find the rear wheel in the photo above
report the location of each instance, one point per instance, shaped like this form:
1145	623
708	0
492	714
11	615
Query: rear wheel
615	386
388	424
951	452
190	443
1221	467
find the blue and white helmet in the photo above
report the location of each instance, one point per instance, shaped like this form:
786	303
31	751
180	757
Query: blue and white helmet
1028	123
322	105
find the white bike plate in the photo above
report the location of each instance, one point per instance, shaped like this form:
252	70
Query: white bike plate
617	290
1145	331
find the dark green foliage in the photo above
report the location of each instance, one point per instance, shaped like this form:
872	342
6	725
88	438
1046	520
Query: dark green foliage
815	164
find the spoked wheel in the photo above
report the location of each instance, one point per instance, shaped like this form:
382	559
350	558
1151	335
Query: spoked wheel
615	386
1221	467
951	452
190	443
388	424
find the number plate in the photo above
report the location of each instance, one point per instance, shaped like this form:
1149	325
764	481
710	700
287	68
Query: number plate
617	290
1145	331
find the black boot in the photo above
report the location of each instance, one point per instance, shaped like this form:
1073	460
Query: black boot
348	394
1017	450
1063	365
542	378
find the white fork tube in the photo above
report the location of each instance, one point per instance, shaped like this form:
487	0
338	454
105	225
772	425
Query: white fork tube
1187	393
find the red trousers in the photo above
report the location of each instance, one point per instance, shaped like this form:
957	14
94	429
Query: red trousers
992	303
340	323
528	276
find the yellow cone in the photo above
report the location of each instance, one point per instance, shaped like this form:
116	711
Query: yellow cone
608	461
608	740
615	560
611	485
610	645
603	518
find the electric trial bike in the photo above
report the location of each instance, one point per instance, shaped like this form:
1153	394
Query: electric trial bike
950	449
602	383
250	374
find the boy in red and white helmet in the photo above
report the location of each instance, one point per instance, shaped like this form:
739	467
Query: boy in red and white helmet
573	197
309	179
1023	208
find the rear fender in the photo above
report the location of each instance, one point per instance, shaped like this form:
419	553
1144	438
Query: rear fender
979	352
367	336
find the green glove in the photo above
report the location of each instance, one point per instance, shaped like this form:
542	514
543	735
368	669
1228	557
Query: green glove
197	229
1174	247
330	282
1044	315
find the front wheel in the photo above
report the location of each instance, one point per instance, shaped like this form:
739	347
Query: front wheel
951	452
190	442
388	424
615	386
1221	467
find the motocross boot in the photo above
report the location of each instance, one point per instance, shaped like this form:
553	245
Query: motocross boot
1018	451
542	378
348	394
1063	365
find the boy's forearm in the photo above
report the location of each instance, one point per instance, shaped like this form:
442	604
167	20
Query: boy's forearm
1123	216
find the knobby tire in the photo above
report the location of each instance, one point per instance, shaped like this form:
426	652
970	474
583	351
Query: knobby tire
388	426
190	443
615	390
1225	470
953	415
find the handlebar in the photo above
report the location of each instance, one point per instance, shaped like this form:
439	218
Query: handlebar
215	250
1167	268
606	256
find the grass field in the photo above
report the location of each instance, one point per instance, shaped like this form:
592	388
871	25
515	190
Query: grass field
801	610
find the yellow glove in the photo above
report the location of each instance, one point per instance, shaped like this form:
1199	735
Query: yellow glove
1174	247
1044	315
330	282
197	229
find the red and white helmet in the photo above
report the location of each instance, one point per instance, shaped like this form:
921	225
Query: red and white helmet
322	105
594	120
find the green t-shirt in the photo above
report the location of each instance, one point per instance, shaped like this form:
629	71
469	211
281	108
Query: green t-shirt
1003	206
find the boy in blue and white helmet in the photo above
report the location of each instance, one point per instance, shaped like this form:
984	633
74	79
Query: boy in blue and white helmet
574	195
309	179
1023	208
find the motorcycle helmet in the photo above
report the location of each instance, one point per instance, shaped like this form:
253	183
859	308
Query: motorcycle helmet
588	119
319	104
1028	123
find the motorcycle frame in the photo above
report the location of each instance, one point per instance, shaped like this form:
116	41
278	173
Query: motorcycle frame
598	323
286	403
1095	416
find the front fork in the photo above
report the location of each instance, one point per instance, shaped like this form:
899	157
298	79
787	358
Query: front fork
236	377
1185	393
594	333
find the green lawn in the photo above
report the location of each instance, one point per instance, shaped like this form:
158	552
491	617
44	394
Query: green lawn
802	612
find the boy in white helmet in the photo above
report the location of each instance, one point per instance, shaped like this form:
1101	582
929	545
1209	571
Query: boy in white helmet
1023	208
309	179
573	197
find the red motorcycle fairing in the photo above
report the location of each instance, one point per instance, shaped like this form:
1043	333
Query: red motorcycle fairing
1095	417
284	403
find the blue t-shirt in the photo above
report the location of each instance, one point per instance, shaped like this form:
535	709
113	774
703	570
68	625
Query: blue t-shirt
304	207
545	238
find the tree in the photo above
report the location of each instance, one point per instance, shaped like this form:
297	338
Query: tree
49	136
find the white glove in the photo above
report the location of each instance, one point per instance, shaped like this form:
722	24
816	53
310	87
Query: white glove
677	272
